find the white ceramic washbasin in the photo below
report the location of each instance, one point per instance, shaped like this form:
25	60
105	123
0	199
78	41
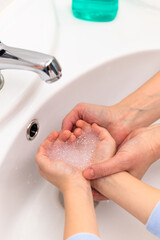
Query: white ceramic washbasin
23	25
29	205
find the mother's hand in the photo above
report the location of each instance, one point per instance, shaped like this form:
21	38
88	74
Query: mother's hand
135	155
111	118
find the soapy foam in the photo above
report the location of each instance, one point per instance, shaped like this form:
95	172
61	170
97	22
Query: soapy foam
78	153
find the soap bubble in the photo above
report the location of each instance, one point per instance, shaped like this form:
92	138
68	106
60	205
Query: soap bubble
78	153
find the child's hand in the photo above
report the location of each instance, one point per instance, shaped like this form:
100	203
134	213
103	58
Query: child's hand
105	148
62	174
59	173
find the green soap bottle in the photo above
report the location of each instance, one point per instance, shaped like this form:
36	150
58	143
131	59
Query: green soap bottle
95	10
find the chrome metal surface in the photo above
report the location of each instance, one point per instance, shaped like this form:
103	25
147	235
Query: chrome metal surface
46	66
32	129
1	81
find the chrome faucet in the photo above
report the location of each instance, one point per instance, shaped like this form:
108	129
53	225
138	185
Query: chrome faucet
46	66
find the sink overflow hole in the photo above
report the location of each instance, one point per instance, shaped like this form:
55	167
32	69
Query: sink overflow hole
1	81
32	129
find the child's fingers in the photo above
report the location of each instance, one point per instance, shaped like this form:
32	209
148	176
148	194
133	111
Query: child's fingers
46	144
64	135
98	196
101	132
49	140
41	150
83	125
77	132
72	138
53	136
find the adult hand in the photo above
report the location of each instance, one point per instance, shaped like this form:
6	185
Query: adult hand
139	109
135	155
107	117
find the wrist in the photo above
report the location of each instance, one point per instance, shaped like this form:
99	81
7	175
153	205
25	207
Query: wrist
119	127
79	210
75	186
141	108
155	141
77	193
131	113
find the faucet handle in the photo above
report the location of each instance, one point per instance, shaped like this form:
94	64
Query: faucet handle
45	65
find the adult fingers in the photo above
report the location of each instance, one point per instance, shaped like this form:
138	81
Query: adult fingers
98	196
90	113
73	116
118	163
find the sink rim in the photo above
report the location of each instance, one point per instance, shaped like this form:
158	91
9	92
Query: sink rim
41	98
26	163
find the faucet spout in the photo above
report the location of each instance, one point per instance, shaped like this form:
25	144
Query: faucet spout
46	66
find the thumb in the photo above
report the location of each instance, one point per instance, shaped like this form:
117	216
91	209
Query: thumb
73	116
108	167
